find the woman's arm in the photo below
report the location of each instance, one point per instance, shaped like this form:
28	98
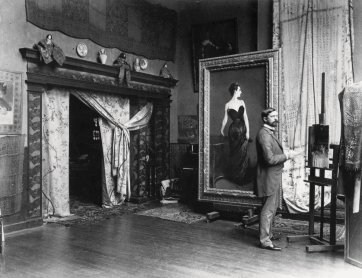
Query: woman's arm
246	120
224	121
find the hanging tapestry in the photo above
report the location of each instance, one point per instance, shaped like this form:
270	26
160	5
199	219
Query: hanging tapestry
11	173
315	37
134	26
351	143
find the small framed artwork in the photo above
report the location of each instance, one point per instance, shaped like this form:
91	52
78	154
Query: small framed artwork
188	129
210	40
10	102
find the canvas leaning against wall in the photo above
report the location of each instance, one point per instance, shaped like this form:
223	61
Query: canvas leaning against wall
10	102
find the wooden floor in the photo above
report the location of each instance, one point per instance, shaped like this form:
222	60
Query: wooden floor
141	246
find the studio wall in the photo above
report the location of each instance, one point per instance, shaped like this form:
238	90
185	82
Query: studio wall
17	33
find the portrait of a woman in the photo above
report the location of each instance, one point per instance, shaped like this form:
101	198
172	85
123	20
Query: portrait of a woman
238	134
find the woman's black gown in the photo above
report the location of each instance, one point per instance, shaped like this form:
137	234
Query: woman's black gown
238	145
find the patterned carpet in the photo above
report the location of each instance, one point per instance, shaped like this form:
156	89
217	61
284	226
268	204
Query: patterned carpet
283	226
175	212
86	213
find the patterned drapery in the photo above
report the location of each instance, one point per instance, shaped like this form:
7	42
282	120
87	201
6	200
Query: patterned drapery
351	143
55	156
115	126
134	26
11	173
315	37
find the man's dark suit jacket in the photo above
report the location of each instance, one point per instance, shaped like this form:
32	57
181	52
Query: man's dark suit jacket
270	162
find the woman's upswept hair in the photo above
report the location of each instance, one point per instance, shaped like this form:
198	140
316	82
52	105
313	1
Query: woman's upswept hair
233	87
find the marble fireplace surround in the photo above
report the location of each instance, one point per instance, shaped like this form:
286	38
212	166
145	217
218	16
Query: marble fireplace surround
89	76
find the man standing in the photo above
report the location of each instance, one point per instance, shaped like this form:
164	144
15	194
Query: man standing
271	160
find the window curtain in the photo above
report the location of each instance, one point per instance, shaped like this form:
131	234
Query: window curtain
115	127
315	37
55	156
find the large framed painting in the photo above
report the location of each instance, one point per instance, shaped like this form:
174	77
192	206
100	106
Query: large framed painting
212	39
10	102
257	73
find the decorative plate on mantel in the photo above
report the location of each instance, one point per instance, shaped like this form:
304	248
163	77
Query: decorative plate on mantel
82	49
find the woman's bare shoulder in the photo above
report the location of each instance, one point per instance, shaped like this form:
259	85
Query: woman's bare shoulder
232	104
228	104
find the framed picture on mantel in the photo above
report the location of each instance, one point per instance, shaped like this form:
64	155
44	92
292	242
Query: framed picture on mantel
210	40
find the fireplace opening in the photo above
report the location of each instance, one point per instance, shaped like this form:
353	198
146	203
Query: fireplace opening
85	154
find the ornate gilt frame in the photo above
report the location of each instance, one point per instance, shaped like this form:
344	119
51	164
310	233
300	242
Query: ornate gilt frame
270	60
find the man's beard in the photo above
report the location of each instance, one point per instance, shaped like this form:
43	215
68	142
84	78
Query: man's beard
274	124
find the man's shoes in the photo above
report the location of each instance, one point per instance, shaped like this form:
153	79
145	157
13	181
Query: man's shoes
271	248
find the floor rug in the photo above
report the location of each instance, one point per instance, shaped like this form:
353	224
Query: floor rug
174	212
87	213
284	226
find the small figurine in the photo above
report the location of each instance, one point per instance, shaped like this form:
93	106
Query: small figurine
121	61
165	72
124	68
49	51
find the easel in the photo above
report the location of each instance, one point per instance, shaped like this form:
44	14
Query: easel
318	177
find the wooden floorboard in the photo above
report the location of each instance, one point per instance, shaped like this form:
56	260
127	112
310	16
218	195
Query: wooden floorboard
140	246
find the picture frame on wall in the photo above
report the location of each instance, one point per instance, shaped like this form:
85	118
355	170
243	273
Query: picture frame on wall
210	40
10	102
188	129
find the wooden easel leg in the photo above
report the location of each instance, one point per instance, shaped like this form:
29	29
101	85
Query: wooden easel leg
322	246
333	217
311	208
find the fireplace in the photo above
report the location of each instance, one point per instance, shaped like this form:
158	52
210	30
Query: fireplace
149	162
85	154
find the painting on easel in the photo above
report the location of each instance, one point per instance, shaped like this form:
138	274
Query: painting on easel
318	141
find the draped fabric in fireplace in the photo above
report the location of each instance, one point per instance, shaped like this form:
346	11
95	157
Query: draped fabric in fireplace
115	126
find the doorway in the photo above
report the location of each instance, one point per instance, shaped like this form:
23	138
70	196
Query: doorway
85	154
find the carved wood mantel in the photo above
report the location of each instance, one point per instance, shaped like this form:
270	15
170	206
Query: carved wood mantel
87	75
92	77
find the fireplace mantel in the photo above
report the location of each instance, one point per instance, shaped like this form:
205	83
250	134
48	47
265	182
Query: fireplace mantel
94	76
